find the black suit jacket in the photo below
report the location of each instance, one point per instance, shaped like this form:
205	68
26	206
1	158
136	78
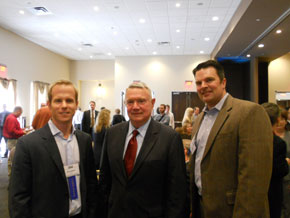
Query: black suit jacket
280	169
38	186
118	118
157	186
86	121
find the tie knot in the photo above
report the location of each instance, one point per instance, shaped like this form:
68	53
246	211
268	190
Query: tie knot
135	133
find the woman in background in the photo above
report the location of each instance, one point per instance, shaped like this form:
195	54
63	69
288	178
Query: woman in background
280	165
99	134
188	116
280	130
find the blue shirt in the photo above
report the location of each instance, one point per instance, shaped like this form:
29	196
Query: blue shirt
69	153
140	137
200	138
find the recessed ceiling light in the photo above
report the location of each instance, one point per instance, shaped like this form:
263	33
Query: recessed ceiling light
127	48
91	57
149	40
201	52
115	32
177	46
96	42
109	54
278	31
96	8
206	38
80	49
21	12
177	5
261	45
154	52
258	19
178	31
248	55
215	18
56	34
142	20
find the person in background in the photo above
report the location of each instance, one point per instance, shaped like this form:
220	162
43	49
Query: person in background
118	118
12	132
41	117
280	165
195	114
53	173
232	151
77	119
3	116
171	116
162	117
100	132
143	168
187	118
89	119
288	118
280	130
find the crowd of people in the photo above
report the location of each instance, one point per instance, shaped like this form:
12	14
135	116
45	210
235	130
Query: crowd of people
228	159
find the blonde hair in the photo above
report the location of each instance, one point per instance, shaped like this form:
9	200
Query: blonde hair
187	118
103	120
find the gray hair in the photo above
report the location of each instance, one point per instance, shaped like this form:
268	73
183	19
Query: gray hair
139	85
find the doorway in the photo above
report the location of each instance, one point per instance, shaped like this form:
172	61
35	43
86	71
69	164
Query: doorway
181	101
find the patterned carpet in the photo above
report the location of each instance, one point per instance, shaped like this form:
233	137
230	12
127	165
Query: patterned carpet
3	189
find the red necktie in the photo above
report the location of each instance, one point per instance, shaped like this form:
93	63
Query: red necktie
130	154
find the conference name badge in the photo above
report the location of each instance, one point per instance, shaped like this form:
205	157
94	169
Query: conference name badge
71	171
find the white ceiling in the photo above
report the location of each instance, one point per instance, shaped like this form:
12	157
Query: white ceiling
115	28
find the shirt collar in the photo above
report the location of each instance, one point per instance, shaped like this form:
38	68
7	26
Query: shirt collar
218	106
142	130
55	131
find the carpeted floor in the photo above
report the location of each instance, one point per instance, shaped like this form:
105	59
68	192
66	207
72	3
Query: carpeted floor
3	189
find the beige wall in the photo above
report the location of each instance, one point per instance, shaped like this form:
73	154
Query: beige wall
279	76
27	62
97	71
163	74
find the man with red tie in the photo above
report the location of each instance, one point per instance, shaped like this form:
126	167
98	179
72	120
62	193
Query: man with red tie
142	167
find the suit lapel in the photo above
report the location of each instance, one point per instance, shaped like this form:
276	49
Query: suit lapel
219	122
51	147
119	149
81	150
148	142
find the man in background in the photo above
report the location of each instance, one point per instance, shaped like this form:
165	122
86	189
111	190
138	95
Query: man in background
162	117
3	116
171	116
232	151
53	173
89	119
12	132
77	119
41	117
118	118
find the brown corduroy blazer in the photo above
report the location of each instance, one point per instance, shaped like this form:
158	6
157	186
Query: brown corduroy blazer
237	163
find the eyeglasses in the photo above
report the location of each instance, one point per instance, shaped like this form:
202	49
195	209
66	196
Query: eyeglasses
138	102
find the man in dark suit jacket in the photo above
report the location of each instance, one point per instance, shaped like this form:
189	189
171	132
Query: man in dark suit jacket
53	173
231	164
118	118
87	124
143	173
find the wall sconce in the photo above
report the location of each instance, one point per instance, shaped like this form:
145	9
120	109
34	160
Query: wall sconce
100	91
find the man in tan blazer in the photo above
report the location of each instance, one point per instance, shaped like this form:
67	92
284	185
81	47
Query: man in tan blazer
231	159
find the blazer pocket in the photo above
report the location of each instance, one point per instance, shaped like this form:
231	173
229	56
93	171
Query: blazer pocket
231	197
